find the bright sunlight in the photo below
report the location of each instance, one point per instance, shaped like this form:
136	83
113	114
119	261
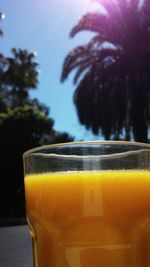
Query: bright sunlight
91	5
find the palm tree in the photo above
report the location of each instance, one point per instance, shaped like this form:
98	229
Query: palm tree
112	71
20	76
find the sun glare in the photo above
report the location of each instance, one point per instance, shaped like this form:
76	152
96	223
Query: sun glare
3	16
91	5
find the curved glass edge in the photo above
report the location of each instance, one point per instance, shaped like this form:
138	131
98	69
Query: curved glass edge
69	144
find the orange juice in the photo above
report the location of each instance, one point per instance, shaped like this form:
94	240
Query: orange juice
90	219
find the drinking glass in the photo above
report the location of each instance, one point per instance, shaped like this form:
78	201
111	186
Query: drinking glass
88	204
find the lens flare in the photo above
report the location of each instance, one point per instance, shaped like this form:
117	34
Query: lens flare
2	15
91	5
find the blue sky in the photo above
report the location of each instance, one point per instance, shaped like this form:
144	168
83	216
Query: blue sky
43	26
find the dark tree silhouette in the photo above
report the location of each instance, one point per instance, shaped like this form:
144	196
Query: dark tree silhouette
24	124
112	75
21	128
20	76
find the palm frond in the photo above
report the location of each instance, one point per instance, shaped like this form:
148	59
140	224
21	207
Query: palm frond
110	6
82	69
144	14
103	25
82	58
94	61
95	22
74	58
134	4
97	40
107	52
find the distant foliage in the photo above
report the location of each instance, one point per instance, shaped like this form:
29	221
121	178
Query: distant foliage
20	129
24	124
19	74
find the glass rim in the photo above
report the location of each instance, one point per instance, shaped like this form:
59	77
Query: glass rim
94	142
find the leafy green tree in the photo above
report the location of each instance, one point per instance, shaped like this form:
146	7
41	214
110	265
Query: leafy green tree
20	76
24	124
60	137
21	128
112	71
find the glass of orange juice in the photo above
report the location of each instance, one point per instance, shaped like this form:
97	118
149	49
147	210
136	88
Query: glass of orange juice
88	204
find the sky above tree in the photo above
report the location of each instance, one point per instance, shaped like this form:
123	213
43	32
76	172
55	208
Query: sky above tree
43	26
